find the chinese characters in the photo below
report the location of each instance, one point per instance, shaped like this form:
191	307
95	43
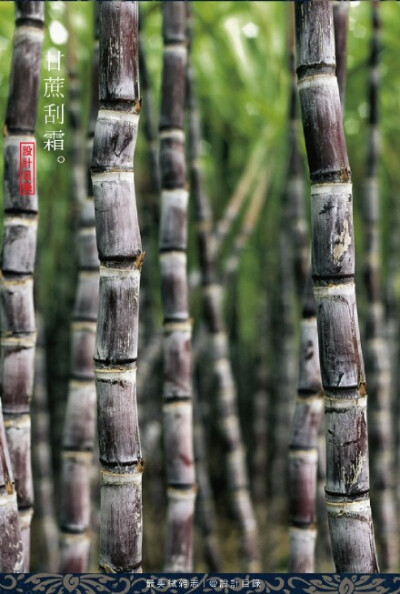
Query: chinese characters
27	168
54	112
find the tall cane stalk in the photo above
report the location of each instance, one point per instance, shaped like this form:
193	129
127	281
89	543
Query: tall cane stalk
292	257
303	453
177	392
121	257
11	554
342	367
341	23
79	427
377	351
18	330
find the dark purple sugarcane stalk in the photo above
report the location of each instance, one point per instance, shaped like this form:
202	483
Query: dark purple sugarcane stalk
150	130
323	548
377	351
292	258
282	406
303	445
323	543
303	448
121	257
342	367
18	329
177	390
11	552
79	426
149	208
226	398
341	23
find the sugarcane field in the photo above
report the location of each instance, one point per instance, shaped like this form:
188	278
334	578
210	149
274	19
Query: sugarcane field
200	292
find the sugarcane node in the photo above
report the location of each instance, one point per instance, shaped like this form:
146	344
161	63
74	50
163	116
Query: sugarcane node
345	175
139	260
5	130
362	388
140	465
138	106
8	482
107	568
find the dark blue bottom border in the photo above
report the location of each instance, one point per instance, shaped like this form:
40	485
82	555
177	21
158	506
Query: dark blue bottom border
227	583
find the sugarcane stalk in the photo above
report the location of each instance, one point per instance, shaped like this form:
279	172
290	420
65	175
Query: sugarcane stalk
149	359
79	426
18	331
229	269
303	448
296	207
323	548
392	333
377	352
205	499
290	260
45	556
149	208
150	130
11	551
121	257
342	367
303	445
260	412
323	543
226	398
177	397
78	165
341	23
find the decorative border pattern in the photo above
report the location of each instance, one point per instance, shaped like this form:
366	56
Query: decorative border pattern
125	583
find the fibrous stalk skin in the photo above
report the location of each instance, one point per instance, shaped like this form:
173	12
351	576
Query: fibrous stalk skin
79	427
342	367
177	390
18	331
120	255
303	445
